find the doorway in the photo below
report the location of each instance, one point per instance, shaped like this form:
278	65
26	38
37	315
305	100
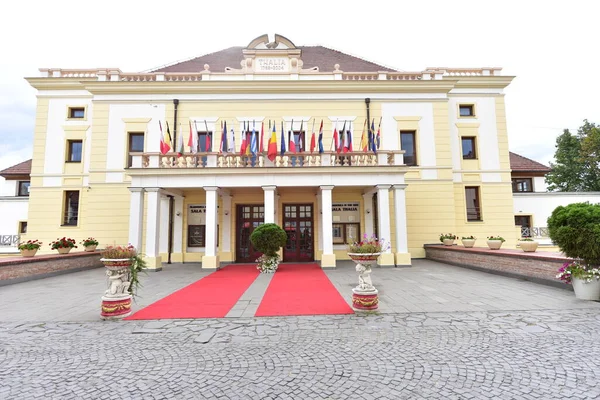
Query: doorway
249	217
298	224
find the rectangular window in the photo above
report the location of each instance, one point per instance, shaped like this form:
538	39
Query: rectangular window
71	210
468	148
408	144
136	145
74	148
23	227
23	188
346	233
522	185
76	112
473	204
466	110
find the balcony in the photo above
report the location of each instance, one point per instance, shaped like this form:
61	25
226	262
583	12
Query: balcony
384	158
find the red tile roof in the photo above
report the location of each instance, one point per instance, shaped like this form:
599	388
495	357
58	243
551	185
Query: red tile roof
311	56
21	169
519	163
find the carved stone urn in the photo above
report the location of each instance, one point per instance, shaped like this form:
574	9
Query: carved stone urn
365	295
116	302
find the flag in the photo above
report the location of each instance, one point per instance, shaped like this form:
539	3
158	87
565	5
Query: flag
336	137
231	140
364	144
341	140
168	140
349	147
224	147
253	141
272	150
373	144
207	138
248	139
244	142
300	145
321	150
193	139
262	136
282	140
291	139
379	134
312	138
164	148
180	142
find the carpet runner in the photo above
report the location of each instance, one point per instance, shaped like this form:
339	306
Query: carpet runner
210	297
301	289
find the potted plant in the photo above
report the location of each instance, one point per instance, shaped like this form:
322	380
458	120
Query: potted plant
585	279
495	242
468	241
574	228
448	239
89	244
528	244
268	239
29	248
365	254
64	245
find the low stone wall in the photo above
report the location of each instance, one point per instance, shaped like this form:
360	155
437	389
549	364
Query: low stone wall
20	269
539	267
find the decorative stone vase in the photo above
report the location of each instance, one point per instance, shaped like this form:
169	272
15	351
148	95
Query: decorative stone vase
468	242
528	246
116	302
365	295
91	247
64	250
448	242
586	290
28	253
494	244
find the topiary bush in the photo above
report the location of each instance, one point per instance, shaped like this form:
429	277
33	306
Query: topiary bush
576	230
268	239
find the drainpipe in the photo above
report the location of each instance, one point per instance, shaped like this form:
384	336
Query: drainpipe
368	102
170	241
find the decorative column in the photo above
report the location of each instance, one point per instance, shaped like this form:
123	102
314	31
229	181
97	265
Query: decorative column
386	259
269	204
210	260
367	207
152	258
177	255
136	217
327	257
225	246
402	255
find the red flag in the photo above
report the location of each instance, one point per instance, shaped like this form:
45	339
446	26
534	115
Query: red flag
291	141
163	146
244	142
262	136
313	143
336	139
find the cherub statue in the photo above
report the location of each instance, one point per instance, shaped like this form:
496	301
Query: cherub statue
117	282
364	278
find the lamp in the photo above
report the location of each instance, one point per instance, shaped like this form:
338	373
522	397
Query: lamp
368	211
226	212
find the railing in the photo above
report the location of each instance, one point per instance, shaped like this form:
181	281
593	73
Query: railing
9	240
466	71
534	232
300	160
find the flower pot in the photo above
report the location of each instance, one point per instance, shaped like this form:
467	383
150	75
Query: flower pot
586	290
468	242
63	250
116	264
28	253
528	246
448	242
91	247
366	259
494	244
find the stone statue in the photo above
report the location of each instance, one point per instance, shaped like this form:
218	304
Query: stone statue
118	283
364	278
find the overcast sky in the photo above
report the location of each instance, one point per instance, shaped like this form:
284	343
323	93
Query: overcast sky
551	47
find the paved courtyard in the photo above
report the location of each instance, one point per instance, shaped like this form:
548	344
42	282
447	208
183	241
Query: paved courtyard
443	332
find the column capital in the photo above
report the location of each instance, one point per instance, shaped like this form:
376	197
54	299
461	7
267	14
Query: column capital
400	186
326	187
152	189
384	187
269	188
210	188
135	190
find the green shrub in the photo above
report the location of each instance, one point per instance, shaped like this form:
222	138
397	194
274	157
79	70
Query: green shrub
576	230
268	239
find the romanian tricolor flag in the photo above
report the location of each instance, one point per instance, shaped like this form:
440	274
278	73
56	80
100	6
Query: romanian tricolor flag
272	150
164	148
364	143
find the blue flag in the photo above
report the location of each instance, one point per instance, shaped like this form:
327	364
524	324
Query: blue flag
373	141
321	138
253	142
282	140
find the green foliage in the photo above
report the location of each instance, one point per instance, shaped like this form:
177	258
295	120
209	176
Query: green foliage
500	238
469	237
137	265
576	230
450	236
577	166
268	239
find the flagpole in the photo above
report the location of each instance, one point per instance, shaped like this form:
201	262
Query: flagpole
312	133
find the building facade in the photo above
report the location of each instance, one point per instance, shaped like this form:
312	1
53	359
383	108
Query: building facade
14	201
442	164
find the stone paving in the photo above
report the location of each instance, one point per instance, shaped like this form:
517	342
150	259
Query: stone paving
442	332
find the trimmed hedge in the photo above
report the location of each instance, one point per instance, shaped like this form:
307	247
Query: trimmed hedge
268	239
576	230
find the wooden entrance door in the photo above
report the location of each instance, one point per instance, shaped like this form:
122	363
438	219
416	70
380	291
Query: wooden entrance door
249	217
298	224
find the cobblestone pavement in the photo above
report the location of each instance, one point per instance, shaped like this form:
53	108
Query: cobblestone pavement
535	354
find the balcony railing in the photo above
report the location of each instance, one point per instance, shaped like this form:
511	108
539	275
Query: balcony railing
534	232
300	160
9	240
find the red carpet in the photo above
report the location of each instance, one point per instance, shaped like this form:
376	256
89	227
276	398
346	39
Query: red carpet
210	297
301	289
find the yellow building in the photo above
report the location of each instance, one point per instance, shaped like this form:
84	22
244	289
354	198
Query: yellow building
441	166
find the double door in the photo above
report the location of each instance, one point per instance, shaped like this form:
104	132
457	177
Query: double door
298	224
249	217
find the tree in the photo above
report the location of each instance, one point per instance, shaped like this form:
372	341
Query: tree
268	239
577	166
